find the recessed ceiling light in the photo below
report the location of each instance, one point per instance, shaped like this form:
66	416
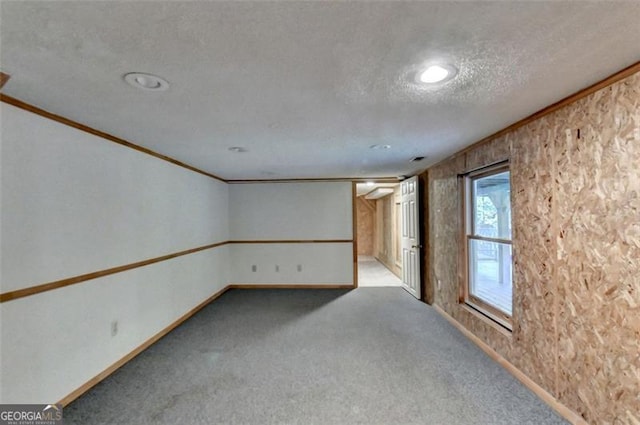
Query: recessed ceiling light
380	147
237	149
147	82
437	74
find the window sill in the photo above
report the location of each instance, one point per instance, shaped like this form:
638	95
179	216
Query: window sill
485	318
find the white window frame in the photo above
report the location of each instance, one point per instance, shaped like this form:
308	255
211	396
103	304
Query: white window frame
483	307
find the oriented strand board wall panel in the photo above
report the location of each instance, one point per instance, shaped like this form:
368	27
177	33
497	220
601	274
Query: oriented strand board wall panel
387	229
576	239
534	331
428	290
378	230
365	222
444	231
387	236
496	151
598	201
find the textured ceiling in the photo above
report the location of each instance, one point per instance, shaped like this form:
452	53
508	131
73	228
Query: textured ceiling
307	87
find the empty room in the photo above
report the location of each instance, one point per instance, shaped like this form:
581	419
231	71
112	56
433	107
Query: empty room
320	212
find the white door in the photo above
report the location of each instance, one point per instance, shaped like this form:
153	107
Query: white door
410	237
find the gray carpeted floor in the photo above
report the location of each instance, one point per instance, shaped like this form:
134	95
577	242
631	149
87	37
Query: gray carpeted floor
372	273
367	356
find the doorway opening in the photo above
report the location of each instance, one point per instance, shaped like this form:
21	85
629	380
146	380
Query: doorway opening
379	226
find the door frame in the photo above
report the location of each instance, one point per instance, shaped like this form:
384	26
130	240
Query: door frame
411	239
354	196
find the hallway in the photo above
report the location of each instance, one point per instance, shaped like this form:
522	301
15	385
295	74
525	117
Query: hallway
372	273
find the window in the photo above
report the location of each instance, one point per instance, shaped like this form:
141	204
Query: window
488	287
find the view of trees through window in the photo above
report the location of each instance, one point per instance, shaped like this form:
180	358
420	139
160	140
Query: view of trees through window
490	270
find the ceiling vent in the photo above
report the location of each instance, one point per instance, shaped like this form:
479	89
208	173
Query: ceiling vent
380	147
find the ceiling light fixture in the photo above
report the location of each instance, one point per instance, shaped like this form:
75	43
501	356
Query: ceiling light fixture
380	147
237	149
437	74
148	82
379	193
370	183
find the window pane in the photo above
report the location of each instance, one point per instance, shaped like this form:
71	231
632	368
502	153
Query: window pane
492	206
490	273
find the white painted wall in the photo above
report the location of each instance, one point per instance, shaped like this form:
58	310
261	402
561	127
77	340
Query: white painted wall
284	211
291	211
320	263
54	342
73	203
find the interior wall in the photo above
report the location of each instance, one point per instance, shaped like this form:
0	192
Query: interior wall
74	203
576	240
303	229
396	232
365	221
387	229
423	205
